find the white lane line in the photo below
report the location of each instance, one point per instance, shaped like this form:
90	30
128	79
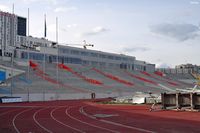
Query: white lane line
92	125
19	106
62	122
135	128
7	112
15	117
25	106
36	121
115	123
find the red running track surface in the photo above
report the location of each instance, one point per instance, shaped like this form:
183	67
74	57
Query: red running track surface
88	116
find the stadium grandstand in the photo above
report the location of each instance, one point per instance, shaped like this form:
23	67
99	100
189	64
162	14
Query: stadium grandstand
37	69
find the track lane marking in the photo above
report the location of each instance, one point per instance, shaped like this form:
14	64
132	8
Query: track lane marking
126	126
34	118
15	117
62	122
92	125
114	123
8	112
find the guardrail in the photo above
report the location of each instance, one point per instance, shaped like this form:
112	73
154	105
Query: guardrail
181	101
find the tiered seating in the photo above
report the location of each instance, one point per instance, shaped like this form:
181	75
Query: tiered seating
160	78
46	77
141	78
106	86
68	78
90	80
139	85
172	82
180	76
114	77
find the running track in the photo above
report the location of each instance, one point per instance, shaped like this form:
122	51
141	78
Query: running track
80	116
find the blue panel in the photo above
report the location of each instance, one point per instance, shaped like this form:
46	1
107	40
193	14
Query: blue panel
2	76
4	90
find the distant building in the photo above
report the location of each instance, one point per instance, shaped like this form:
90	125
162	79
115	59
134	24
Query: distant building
191	67
32	42
8	28
21	26
11	27
183	68
13	39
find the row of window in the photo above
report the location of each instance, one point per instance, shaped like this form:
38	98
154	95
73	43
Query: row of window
53	58
34	56
50	58
83	53
61	59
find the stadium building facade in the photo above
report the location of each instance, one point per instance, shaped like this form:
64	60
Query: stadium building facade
13	41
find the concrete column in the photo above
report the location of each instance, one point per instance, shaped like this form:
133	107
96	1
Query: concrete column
191	101
177	101
163	100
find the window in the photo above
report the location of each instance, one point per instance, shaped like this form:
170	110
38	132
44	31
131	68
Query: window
72	60
60	59
117	58
36	56
84	53
74	52
102	56
24	55
94	63
102	64
63	51
94	54
110	57
124	58
75	60
86	62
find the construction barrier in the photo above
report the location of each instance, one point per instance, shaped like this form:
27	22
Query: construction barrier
180	101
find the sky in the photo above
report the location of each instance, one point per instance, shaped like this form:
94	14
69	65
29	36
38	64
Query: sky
162	32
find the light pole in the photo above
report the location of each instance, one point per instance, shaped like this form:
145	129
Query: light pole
44	60
12	56
28	45
12	75
57	57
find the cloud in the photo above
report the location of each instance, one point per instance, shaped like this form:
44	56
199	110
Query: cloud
67	27
48	1
71	25
136	49
181	32
163	65
65	9
63	29
4	8
95	31
51	28
194	2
